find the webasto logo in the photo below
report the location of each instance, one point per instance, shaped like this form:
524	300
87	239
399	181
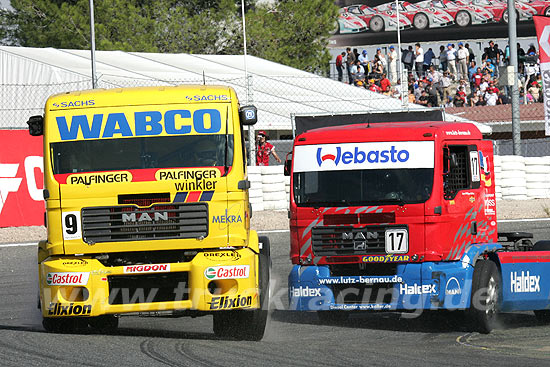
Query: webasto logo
360	156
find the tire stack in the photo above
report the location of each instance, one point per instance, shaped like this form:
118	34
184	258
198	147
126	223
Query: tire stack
273	187
513	178
537	171
498	177
255	193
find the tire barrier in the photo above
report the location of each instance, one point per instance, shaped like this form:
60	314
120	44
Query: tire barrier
516	178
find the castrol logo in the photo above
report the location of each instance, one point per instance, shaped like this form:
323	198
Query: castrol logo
149	268
67	278
227	272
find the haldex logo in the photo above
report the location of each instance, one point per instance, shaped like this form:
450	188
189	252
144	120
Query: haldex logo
358	156
524	282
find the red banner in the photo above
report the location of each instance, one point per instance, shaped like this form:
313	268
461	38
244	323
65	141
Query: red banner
542	24
21	179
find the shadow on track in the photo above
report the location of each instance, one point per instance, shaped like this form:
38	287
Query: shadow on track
426	322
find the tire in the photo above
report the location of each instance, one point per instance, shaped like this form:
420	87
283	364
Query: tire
421	21
486	296
248	324
463	18
543	316
62	325
332	317
543	245
105	323
376	24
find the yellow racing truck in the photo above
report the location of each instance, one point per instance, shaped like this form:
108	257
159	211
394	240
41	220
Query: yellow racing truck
147	210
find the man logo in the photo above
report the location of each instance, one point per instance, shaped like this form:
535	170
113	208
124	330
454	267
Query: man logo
359	239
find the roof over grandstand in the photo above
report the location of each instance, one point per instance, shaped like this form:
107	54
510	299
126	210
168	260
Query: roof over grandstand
29	75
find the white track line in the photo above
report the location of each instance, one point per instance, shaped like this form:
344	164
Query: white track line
524	220
18	244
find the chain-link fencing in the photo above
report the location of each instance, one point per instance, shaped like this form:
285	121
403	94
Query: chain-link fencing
278	97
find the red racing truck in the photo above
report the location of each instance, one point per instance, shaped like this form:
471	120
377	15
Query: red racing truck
402	216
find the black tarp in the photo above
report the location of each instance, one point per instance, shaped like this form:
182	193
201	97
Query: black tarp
305	123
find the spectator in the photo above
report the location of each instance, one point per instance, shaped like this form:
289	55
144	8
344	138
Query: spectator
356	54
407	58
419	60
442	58
491	97
392	57
350	61
264	149
446	85
340	66
502	98
521	96
471	55
474	97
428	57
462	61
489	67
373	87
462	95
535	91
458	101
493	53
423	99
436	76
477	78
382	58
451	60
357	72
378	68
432	93
364	59
385	84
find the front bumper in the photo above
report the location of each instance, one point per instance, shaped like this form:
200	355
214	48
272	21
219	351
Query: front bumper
83	286
429	285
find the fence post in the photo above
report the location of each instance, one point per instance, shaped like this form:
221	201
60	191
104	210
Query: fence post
251	133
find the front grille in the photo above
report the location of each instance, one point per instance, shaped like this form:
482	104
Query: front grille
147	288
157	222
345	240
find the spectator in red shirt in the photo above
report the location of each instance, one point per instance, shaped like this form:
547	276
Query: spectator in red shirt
477	78
264	149
340	66
385	83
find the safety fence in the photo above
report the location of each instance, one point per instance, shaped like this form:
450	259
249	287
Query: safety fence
279	97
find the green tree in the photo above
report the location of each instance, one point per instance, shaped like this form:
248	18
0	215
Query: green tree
293	32
119	25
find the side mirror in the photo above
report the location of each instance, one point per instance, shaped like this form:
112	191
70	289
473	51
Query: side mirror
36	125
248	115
288	165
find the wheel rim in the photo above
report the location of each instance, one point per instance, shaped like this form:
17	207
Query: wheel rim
505	16
547	12
376	24
462	19
492	298
420	21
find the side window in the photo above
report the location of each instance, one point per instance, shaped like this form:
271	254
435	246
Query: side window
460	169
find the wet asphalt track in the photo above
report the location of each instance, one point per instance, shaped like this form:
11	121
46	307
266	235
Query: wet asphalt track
292	339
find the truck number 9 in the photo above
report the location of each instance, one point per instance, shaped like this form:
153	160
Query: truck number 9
71	225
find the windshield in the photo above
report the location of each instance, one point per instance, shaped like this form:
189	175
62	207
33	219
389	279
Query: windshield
182	151
363	187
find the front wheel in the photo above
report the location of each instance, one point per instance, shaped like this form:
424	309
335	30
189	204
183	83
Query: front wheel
420	21
248	324
485	300
463	18
376	24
